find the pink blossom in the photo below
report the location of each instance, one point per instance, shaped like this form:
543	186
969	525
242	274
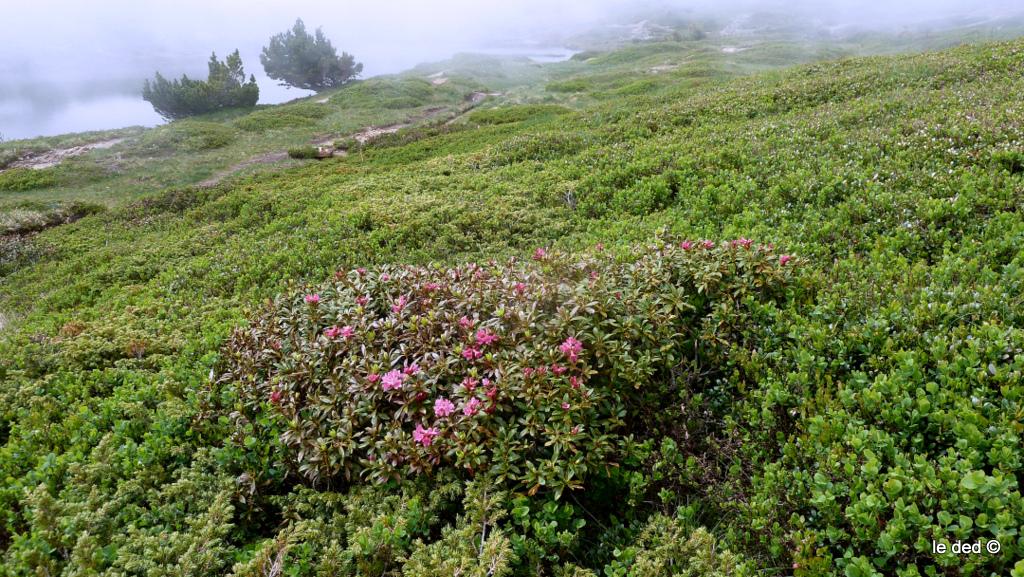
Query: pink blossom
312	299
373	377
565	406
708	244
744	242
392	380
362	300
443	407
431	286
485	337
411	369
571	348
471	354
574	382
399	304
599	246
686	245
541	371
594	275
520	288
385	277
361	271
465	322
332	332
784	259
470	383
347	332
425	436
492	391
539	254
275	396
558	369
471	407
528	371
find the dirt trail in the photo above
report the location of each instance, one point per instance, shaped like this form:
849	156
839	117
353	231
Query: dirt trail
267	158
326	143
50	158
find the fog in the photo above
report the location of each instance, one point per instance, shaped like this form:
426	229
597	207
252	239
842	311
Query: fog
67	65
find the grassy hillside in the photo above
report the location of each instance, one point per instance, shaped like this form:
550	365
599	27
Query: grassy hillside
873	405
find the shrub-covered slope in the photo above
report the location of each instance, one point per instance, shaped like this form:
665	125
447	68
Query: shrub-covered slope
880	409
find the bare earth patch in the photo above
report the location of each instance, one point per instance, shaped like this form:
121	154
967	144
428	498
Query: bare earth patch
54	157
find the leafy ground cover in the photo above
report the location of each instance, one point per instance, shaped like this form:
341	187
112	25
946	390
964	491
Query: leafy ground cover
876	406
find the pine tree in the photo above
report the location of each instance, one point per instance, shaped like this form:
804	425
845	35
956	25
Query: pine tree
303	60
224	87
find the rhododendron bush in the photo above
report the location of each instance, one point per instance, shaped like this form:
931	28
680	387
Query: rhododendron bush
531	372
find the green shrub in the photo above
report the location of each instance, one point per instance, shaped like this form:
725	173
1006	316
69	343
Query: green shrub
22	179
287	116
585	55
525	371
1010	160
540	147
349	144
666	549
391	94
186	136
304	152
572	85
516	113
34	216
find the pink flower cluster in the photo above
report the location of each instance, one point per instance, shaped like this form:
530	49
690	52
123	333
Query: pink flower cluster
443	407
471	407
571	348
425	436
392	380
312	299
485	337
346	332
399	304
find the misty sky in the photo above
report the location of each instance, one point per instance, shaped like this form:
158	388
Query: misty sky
59	53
